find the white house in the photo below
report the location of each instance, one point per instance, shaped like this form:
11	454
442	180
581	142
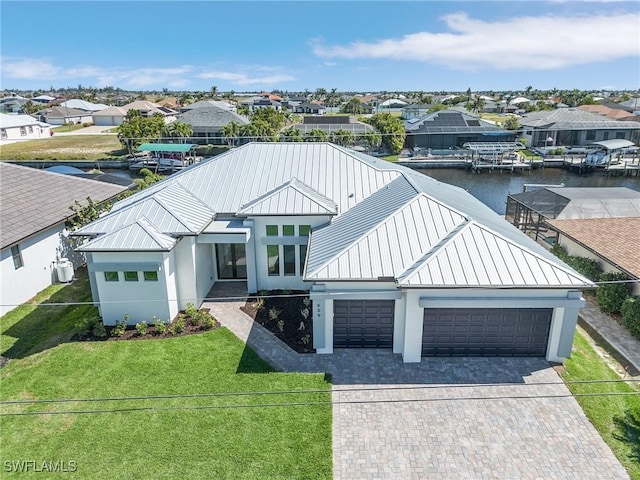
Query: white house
22	127
392	258
35	207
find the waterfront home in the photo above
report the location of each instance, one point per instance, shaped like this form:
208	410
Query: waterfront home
393	259
22	127
207	123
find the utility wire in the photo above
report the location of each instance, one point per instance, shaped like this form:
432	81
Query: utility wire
311	391
312	404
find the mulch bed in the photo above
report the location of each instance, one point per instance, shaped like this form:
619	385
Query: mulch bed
281	312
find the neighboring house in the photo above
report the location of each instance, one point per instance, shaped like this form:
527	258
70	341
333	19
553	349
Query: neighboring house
332	123
208	103
530	211
43	99
62	115
613	242
574	127
449	129
83	105
392	258
612	113
257	103
114	116
415	111
207	123
12	104
309	109
22	127
35	207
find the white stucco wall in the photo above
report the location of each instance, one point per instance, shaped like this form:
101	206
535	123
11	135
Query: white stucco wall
205	270
141	300
31	132
37	272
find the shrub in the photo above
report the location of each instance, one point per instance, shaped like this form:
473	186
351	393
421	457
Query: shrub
177	326
191	310
281	325
209	322
141	328
161	327
121	327
98	330
86	325
260	303
274	313
611	296
586	266
631	315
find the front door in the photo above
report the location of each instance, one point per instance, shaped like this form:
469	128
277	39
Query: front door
232	261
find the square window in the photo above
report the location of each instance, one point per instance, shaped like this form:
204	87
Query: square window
151	276
272	230
17	257
273	258
289	259
303	230
130	276
111	277
288	230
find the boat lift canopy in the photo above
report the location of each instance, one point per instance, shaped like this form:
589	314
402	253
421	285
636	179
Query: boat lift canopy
166	147
615	144
495	148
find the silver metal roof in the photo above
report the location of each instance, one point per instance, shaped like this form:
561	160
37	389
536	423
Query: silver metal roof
291	198
573	119
615	144
391	221
137	236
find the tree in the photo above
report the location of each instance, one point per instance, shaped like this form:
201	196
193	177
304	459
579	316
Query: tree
371	140
478	104
316	135
353	106
30	107
511	123
436	107
214	92
392	130
136	130
180	130
342	137
292	135
230	133
85	214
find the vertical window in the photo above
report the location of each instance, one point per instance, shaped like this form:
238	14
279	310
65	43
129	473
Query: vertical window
289	259
130	276
303	230
591	134
111	277
288	230
30	129
605	136
3	133
23	131
273	259
303	257
17	257
272	230
151	276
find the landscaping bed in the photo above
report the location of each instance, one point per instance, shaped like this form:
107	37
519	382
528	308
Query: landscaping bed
286	314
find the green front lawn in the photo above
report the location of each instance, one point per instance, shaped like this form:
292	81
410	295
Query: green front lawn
170	437
617	418
68	147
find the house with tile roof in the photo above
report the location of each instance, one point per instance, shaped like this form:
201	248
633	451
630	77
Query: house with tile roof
392	258
34	206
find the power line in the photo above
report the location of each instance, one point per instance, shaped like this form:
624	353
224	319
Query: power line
312	404
311	391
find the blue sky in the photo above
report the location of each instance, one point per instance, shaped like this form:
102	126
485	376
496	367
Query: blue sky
297	45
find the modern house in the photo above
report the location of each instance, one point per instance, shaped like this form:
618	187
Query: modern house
332	123
22	127
574	127
207	123
84	105
35	206
450	129
392	258
114	116
309	109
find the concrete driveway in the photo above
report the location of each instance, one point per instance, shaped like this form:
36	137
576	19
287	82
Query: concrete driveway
461	418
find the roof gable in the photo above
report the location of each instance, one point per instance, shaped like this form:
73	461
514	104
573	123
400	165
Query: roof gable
137	236
291	198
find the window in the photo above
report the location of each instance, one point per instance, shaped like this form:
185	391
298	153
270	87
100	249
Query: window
273	259
30	129
130	276
17	257
151	276
289	259
272	230
620	135
303	257
111	277
3	133
23	131
591	134
303	230
288	230
605	136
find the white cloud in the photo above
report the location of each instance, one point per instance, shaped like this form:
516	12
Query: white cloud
534	43
240	78
330	64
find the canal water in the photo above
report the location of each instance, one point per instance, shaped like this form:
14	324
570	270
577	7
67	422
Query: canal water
492	188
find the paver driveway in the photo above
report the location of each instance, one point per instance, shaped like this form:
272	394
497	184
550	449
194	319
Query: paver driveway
453	418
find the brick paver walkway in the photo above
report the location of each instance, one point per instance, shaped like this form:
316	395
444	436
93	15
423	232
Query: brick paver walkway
444	418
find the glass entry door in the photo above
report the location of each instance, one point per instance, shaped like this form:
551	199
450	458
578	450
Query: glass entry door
232	261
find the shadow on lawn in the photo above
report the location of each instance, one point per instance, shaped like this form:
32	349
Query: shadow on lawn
628	431
46	326
250	362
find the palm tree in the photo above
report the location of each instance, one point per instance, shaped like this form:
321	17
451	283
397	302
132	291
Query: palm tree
316	135
478	103
214	92
292	135
181	130
230	133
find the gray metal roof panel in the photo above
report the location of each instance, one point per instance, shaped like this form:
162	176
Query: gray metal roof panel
32	200
137	236
291	198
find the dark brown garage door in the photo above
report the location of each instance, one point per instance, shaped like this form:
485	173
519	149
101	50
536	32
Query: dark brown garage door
486	332
363	323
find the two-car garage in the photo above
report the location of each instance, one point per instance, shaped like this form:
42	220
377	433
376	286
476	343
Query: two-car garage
446	331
